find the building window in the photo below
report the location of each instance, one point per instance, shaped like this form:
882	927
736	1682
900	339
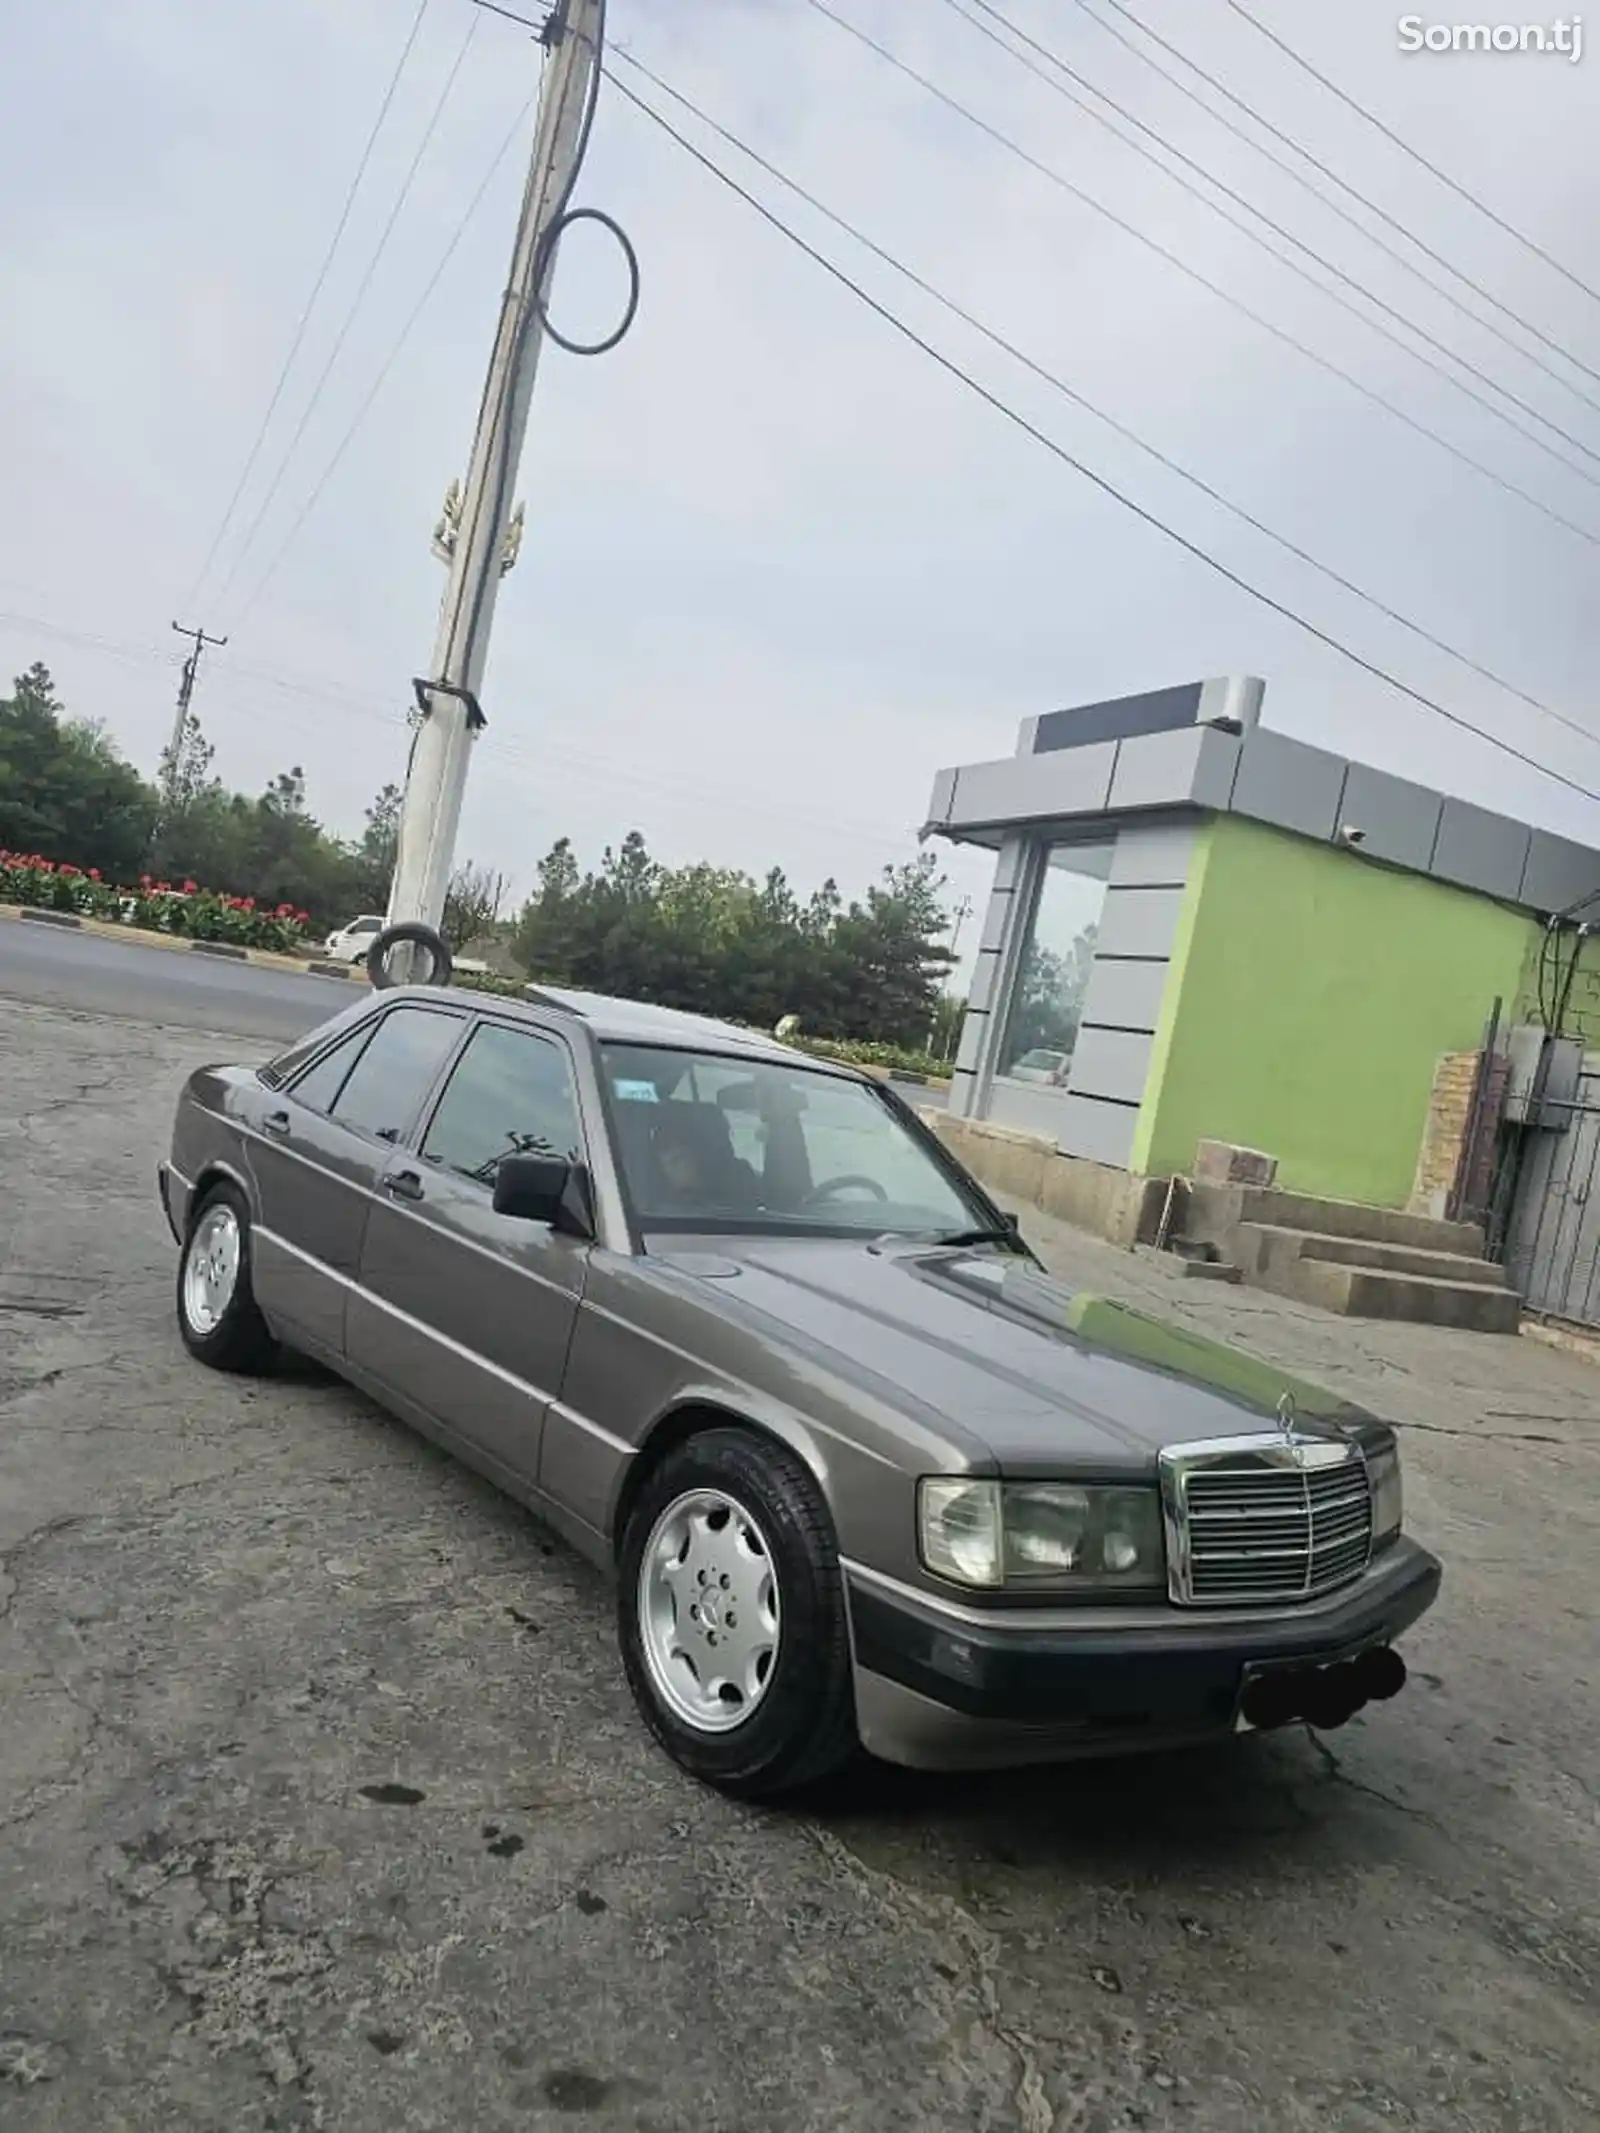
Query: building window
1053	969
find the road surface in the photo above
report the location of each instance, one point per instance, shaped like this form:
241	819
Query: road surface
54	967
323	1804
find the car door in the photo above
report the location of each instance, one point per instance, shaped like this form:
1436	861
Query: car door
465	1312
317	1151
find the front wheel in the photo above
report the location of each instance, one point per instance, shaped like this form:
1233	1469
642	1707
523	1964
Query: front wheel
217	1313
731	1617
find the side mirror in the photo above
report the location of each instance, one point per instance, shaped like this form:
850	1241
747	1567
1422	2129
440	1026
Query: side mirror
543	1188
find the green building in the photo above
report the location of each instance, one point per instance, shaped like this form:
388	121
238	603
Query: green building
1204	930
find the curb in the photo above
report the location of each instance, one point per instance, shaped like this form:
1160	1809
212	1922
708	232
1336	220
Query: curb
233	953
331	970
179	943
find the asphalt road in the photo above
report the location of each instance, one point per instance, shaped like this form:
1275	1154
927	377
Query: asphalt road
55	967
323	1803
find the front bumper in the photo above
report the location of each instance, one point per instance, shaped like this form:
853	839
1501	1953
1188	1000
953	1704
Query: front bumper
946	1686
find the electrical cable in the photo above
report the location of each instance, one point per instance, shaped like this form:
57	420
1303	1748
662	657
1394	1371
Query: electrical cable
1372	206
1234	303
386	367
310	305
536	310
1328	266
1082	400
1059	451
286	458
1416	155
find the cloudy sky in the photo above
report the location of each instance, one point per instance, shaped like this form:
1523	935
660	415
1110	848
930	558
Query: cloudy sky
779	567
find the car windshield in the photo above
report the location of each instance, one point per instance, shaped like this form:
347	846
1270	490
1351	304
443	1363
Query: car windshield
711	1142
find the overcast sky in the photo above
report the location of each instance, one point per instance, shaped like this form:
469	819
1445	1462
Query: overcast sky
779	568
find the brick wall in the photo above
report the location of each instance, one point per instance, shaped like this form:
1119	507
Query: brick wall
1448	1109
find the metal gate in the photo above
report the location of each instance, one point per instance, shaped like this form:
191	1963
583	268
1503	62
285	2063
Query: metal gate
1552	1242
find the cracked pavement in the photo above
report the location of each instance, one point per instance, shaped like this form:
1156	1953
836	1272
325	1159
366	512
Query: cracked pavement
323	1805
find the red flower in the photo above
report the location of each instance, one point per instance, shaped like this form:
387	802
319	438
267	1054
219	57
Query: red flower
144	881
249	904
191	888
302	918
94	873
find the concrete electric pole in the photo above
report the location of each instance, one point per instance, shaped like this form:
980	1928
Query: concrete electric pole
478	520
191	667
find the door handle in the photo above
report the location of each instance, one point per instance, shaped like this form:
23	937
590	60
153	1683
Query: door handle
277	1122
403	1185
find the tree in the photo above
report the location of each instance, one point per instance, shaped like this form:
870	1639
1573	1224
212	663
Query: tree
713	941
472	904
65	792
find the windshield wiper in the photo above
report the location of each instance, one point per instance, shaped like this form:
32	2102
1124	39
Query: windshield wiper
957	1238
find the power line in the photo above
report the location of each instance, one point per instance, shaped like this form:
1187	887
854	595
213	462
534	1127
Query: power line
1415	154
385	368
1176	259
1059	451
287	456
603	769
1372	206
1082	400
296	342
1279	229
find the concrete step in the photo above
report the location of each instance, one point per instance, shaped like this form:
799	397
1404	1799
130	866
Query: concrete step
1273	1209
1262	1243
1366	1292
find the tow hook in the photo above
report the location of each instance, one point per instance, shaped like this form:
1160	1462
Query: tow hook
1323	1696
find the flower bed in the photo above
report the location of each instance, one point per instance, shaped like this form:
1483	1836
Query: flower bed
187	910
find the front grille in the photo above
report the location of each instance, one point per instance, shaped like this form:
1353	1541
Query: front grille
1262	1520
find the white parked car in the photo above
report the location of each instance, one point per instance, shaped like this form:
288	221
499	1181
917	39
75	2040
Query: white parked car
1042	1066
351	943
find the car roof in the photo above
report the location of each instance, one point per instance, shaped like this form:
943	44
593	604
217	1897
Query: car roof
639	1022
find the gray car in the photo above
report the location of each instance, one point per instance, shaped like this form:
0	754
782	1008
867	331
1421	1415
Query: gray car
735	1323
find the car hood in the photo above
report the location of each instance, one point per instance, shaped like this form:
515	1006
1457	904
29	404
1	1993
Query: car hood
995	1347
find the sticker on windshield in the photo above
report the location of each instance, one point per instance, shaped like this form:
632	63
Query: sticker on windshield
635	1092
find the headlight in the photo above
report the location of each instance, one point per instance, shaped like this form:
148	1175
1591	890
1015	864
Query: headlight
1039	1533
1383	1467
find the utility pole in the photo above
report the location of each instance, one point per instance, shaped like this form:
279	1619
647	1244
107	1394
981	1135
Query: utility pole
477	523
191	667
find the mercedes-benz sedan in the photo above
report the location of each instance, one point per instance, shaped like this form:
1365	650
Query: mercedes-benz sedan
735	1322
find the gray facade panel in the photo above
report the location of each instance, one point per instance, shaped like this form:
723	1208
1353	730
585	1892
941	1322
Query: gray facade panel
944	792
1111	1062
1156	856
1194	767
1099	1133
1008	865
1289	784
1141	922
1559	874
1481	851
1125	995
995	920
974	1028
985	978
1400	822
1075	781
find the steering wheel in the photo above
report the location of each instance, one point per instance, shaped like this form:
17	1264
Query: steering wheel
834	1186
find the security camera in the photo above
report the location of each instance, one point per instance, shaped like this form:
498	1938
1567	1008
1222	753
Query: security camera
1349	834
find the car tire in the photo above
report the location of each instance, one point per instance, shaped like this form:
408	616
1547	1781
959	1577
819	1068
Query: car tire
218	1317
798	1726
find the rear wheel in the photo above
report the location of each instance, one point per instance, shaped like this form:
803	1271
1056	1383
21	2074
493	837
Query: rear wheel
217	1314
731	1617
